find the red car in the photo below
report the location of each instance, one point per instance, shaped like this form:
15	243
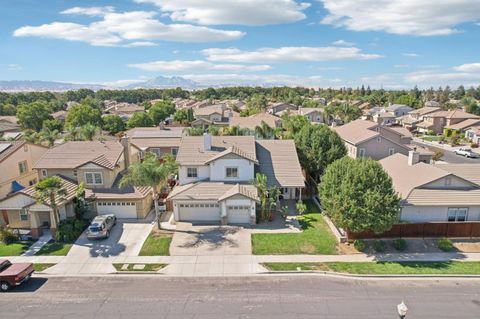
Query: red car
12	275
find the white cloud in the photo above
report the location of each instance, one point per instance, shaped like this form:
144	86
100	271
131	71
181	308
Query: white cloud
343	43
414	17
232	12
288	54
401	66
134	28
470	67
12	66
436	78
179	66
89	11
410	55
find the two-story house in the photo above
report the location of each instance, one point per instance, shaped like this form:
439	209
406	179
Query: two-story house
215	175
159	140
212	115
276	108
437	121
252	121
313	114
410	120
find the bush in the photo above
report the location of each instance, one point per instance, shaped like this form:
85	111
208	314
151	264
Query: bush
445	244
7	237
70	230
359	244
399	244
379	246
474	145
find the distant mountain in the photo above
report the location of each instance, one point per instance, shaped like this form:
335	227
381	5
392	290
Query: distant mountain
163	82
25	86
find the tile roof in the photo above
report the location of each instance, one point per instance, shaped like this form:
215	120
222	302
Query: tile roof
7	148
233	150
212	191
209	110
464	124
68	185
192	152
7	126
357	131
470	172
251	122
279	162
402	131
443	197
425	110
147	137
74	154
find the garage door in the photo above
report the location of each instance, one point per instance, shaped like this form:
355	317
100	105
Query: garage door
119	209
238	214
199	212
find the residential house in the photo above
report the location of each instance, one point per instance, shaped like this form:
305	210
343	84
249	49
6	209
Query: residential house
461	127
434	193
60	115
368	139
275	108
413	118
252	121
215	174
436	122
473	134
159	140
17	159
313	114
399	109
212	115
124	110
9	128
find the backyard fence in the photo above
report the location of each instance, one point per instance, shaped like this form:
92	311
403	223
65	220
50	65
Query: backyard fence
424	230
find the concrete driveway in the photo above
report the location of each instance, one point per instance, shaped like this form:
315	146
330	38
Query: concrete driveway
191	240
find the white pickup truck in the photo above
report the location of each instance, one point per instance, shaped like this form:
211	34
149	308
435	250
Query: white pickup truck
466	152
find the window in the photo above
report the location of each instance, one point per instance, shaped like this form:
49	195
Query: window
379	139
192	172
231	172
457	214
93	178
361	152
174	152
32	182
44	173
156	151
22	167
23	215
74	172
391	151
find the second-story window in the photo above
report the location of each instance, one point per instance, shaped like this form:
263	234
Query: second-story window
22	167
93	178
231	172
192	172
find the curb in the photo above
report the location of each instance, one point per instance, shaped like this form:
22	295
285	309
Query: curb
360	276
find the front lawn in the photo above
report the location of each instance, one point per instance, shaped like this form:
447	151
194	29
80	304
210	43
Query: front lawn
147	267
42	267
316	238
431	138
15	249
53	248
156	245
385	268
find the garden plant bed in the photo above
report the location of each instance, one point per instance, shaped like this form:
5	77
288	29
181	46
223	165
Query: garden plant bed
157	244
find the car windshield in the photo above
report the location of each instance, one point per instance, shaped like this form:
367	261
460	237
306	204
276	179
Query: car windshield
4	265
95	227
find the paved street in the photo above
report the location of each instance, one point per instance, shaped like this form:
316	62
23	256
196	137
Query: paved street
266	297
449	156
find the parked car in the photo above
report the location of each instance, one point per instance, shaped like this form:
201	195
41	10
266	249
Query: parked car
466	152
100	226
12	275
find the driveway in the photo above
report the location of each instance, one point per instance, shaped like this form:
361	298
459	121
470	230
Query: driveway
191	240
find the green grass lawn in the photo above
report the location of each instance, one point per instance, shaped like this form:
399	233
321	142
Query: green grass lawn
156	245
53	248
316	238
385	268
15	249
148	267
42	267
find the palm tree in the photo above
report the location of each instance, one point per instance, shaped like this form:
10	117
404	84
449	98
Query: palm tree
48	136
31	136
89	131
74	133
153	173
264	131
233	131
49	191
260	182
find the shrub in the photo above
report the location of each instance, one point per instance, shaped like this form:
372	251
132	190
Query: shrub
442	139
301	208
70	230
7	237
455	140
379	246
359	244
399	244
437	155
474	145
445	244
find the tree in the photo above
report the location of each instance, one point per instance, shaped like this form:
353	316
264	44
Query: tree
318	146
52	125
152	173
184	116
161	110
195	131
292	125
233	131
263	131
74	134
358	195
83	114
113	124
255	105
268	195
139	119
32	115
89	131
49	191
48	136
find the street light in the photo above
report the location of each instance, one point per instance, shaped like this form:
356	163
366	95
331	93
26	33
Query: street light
402	310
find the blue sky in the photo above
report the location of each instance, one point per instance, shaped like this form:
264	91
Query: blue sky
328	43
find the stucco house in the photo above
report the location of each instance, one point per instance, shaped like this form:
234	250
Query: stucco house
313	114
399	109
473	134
212	115
368	139
410	120
159	140
434	193
437	121
215	174
275	108
252	121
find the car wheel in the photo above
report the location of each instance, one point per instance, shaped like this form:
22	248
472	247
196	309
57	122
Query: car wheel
4	286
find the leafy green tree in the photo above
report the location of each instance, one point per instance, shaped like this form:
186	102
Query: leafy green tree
83	114
184	116
113	123
52	125
161	110
7	109
89	131
152	173
268	196
214	130
49	191
255	104
233	131
263	131
48	137
318	146
32	115
358	195
140	119
292	125
195	131
74	134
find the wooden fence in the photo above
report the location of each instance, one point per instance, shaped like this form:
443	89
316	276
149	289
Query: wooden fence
422	230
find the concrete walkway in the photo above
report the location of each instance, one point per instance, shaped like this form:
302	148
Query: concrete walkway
36	246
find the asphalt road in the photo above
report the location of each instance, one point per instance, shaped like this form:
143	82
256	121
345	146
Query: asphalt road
450	157
238	297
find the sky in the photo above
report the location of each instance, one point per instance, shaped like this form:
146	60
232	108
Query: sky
319	43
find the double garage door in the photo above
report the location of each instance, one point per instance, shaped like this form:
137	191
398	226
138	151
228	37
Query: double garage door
119	209
199	212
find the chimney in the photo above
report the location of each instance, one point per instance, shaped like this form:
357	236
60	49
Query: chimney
161	125
207	142
126	150
413	157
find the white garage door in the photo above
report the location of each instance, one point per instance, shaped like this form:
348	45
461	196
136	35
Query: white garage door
199	212
238	214
119	209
